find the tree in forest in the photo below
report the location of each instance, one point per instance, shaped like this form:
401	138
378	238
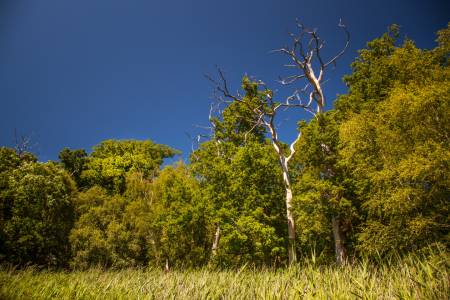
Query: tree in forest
9	161
182	225
396	136
244	194
112	161
102	235
169	214
36	210
319	196
255	228
240	183
264	114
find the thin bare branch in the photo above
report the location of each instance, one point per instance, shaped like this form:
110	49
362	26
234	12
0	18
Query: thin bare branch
23	147
303	61
295	78
289	66
345	49
212	128
198	138
78	164
193	153
292	147
276	127
211	133
251	130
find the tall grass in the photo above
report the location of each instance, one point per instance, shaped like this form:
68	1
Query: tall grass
409	278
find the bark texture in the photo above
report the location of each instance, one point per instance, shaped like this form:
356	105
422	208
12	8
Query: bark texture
339	238
292	248
291	228
166	267
216	242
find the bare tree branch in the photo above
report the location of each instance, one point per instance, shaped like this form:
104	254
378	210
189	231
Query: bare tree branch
276	127
292	147
23	148
303	62
345	49
199	137
78	164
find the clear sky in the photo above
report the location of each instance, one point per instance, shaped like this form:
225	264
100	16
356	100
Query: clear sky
76	73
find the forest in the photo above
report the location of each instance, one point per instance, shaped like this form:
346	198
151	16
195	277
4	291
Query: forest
364	181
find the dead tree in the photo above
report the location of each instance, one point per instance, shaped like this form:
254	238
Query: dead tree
22	147
303	62
264	115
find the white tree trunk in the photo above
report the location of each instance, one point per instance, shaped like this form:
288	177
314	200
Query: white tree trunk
150	235
216	242
292	249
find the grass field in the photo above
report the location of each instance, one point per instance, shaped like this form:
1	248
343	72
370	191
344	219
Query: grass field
409	278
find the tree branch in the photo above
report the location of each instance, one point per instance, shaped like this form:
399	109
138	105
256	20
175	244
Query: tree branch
304	62
23	147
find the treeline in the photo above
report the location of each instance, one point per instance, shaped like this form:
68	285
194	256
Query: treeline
368	178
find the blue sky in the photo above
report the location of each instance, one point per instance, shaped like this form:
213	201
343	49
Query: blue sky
76	73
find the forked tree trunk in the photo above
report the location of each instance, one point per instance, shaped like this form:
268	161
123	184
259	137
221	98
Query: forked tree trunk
292	248
216	242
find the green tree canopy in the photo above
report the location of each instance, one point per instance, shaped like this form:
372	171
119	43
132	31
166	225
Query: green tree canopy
321	196
396	137
74	162
37	212
241	182
101	236
112	161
